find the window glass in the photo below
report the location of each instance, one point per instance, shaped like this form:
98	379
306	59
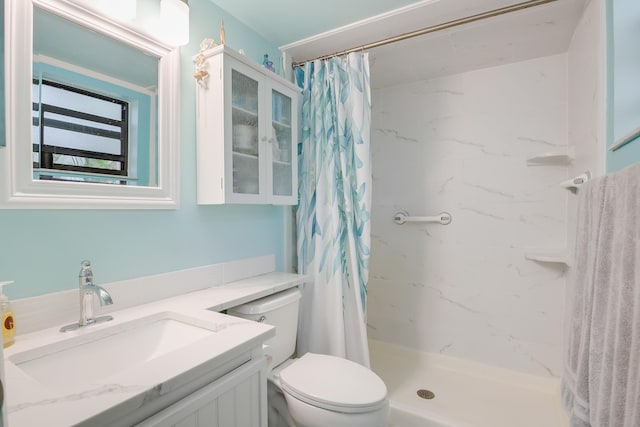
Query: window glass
79	130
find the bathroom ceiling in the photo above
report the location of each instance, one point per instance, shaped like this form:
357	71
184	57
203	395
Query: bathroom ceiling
286	21
518	36
307	30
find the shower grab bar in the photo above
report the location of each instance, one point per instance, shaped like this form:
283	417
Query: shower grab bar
402	217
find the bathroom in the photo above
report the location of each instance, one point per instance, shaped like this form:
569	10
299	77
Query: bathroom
502	309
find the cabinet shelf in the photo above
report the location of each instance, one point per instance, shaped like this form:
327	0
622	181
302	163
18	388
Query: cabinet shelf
245	155
281	124
244	111
548	256
281	163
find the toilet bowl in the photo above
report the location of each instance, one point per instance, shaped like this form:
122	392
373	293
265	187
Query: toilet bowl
320	390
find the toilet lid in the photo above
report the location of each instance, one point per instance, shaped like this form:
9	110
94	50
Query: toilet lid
334	383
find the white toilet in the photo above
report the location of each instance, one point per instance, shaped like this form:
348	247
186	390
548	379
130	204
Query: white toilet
320	390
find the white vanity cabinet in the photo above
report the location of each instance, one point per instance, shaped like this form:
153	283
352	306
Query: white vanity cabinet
239	399
247	131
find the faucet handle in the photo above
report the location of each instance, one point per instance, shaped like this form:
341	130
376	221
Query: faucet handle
85	268
86	274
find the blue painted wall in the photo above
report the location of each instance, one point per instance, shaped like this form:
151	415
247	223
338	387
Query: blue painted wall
41	249
2	130
623	23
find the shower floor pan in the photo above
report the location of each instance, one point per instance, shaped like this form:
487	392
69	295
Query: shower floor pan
432	390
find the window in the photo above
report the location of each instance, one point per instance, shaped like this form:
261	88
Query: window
79	131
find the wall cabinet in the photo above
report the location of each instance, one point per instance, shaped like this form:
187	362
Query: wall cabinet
238	399
247	132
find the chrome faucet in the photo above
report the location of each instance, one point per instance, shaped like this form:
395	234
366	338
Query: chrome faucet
88	290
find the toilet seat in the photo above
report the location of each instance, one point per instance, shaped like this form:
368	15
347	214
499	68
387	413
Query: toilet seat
334	383
273	374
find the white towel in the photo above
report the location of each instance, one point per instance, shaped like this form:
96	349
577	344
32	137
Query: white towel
601	376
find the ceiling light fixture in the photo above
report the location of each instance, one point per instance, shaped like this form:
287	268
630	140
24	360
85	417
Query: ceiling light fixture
174	16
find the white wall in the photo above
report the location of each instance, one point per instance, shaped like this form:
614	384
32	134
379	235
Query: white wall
587	100
460	144
587	90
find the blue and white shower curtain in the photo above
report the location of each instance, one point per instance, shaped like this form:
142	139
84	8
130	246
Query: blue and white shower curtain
333	216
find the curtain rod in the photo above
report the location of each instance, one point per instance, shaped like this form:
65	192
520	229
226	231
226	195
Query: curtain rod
434	28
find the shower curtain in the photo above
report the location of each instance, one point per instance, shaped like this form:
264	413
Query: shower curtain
333	215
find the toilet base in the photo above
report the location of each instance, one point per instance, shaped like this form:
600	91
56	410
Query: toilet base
278	415
306	415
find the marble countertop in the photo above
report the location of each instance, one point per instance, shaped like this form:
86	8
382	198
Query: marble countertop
30	403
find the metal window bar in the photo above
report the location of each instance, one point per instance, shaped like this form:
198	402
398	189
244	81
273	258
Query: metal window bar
47	151
45	177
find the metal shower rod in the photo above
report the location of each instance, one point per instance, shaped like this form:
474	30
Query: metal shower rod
434	28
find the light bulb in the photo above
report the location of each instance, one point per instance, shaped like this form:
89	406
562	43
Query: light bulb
174	15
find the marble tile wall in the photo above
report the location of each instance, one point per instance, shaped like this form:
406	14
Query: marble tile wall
587	101
461	144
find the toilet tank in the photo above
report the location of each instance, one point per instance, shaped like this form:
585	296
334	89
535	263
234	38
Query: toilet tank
279	310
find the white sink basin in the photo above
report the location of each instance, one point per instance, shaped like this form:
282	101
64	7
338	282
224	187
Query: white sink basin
96	356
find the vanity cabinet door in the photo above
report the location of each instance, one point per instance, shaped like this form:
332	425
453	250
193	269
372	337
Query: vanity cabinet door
239	399
247	133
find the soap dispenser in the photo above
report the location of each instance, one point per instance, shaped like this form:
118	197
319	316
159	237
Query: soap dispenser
8	323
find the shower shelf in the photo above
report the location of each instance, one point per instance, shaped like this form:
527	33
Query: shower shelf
550	159
553	159
549	256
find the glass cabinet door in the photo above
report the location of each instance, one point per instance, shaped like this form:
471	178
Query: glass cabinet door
245	133
282	144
